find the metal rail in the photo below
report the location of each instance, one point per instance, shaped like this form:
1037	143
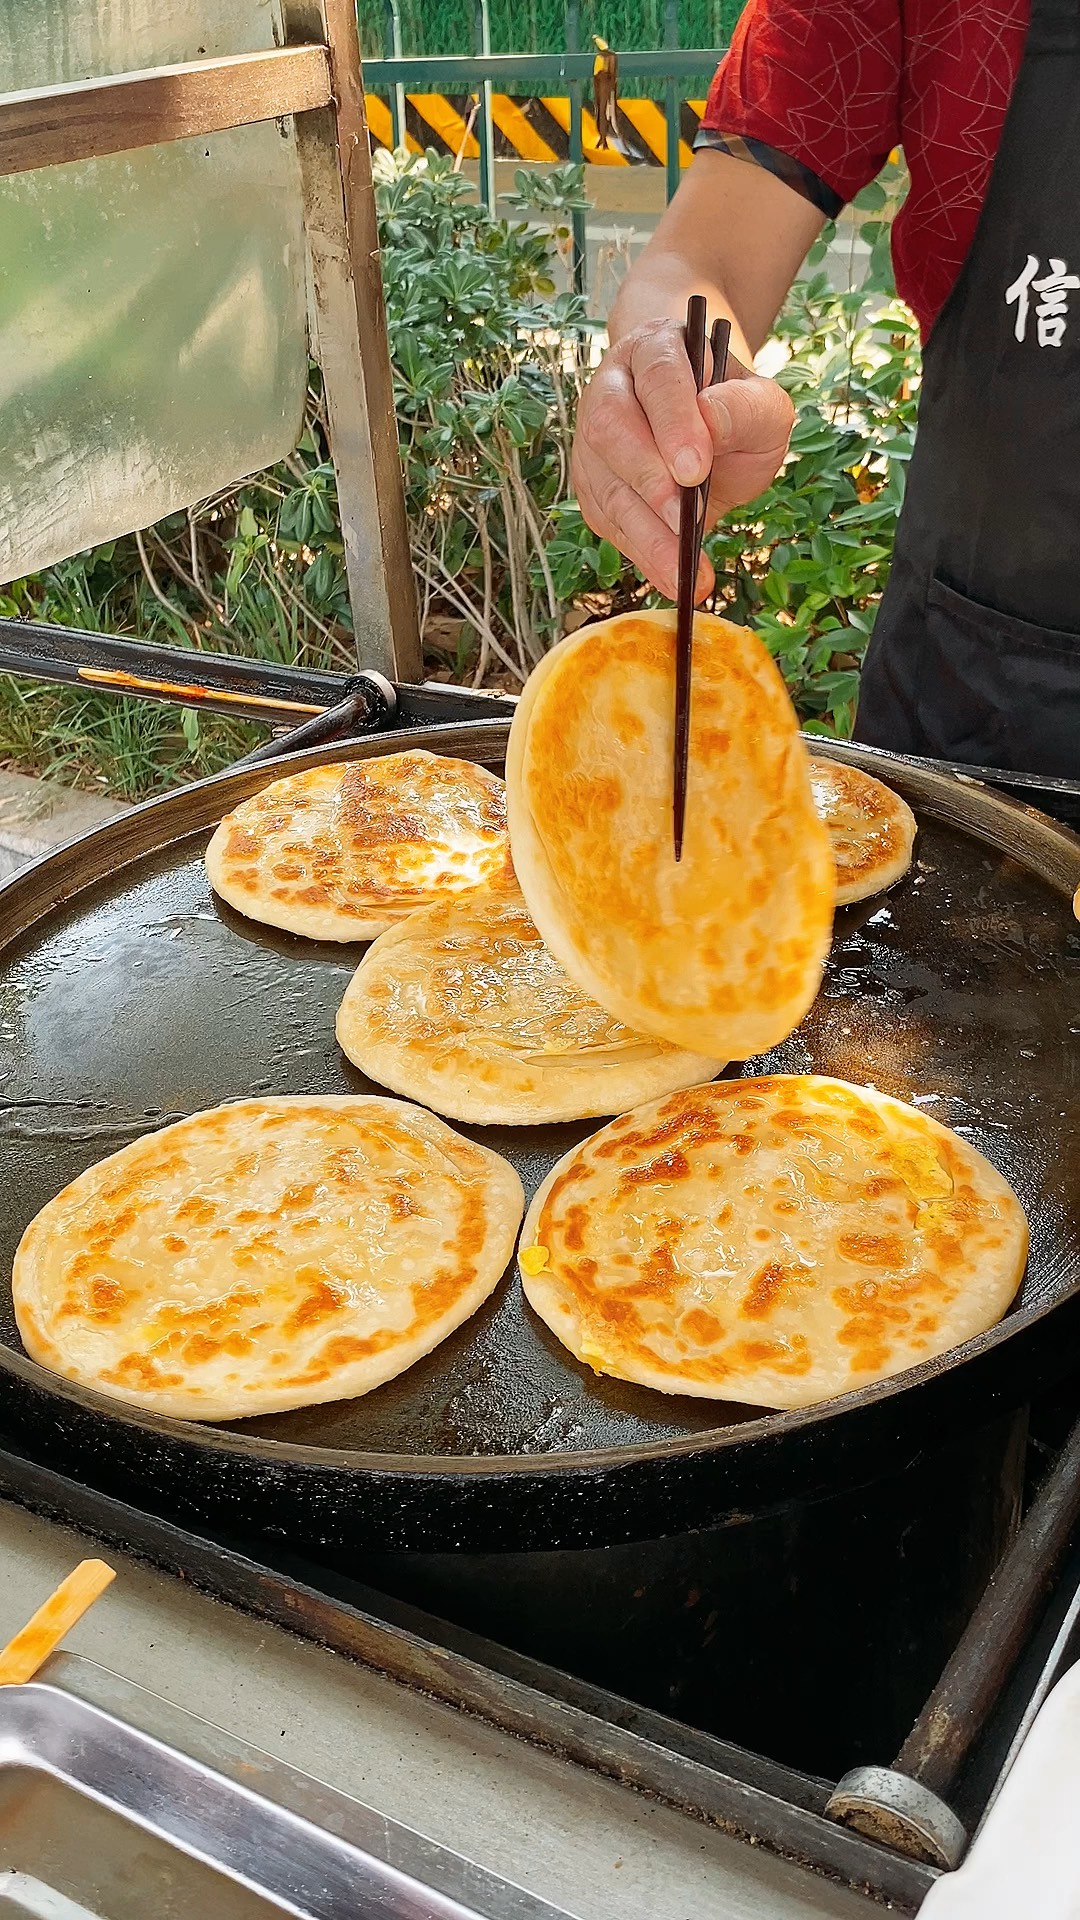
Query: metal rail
464	73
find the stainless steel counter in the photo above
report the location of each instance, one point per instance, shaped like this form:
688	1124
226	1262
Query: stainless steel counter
585	1844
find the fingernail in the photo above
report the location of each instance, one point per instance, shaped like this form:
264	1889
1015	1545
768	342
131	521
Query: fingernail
688	468
670	514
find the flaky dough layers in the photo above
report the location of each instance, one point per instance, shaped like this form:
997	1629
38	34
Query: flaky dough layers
721	953
463	1008
777	1241
871	830
272	1254
342	852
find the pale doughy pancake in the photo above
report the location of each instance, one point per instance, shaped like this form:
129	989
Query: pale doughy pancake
774	1241
723	952
463	1008
871	830
342	852
272	1254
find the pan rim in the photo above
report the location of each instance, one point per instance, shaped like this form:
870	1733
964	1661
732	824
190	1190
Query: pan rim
999	821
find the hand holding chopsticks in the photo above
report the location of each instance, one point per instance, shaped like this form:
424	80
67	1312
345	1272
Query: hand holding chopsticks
693	508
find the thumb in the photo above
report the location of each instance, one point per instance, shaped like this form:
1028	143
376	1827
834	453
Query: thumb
750	421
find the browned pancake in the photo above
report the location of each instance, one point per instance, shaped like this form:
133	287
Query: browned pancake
463	1008
777	1241
871	830
343	852
272	1254
721	952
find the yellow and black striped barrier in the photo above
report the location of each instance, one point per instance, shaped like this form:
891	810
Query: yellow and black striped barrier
536	129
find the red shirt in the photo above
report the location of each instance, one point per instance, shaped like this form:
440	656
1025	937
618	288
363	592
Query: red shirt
821	91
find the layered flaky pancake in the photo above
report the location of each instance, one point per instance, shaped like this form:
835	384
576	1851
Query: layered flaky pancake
777	1241
463	1007
871	830
342	852
272	1254
721	953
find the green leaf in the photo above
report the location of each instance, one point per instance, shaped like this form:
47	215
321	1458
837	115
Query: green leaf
609	564
871	199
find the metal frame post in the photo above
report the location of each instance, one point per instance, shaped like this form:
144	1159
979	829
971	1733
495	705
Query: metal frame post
485	129
578	247
672	102
392	43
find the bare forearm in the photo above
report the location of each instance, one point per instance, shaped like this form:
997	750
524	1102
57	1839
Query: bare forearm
734	233
658	288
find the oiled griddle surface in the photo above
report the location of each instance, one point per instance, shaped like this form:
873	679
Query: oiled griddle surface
144	1000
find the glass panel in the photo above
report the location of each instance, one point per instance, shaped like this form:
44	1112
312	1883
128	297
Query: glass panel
152	304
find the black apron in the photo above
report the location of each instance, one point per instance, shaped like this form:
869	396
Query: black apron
975	654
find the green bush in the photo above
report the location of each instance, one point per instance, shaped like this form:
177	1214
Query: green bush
489	360
488	364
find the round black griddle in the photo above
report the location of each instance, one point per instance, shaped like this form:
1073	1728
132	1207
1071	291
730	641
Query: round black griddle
129	997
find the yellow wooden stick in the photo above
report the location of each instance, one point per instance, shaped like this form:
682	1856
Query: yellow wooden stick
28	1651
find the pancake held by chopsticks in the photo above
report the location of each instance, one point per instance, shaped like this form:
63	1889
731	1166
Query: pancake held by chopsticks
871	830
463	1008
342	852
774	1241
272	1254
721	953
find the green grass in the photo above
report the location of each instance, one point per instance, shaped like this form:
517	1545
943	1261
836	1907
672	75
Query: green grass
134	748
130	748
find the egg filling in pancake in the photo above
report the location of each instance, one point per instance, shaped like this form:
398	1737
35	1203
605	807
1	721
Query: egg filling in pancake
871	830
722	952
463	1008
774	1241
342	852
272	1254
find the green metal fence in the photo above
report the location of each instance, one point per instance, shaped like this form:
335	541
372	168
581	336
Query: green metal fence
565	62
430	27
670	69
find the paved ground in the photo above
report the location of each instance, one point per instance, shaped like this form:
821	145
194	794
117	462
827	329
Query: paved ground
36	815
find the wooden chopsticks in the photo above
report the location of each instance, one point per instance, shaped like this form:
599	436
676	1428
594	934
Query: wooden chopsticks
693	506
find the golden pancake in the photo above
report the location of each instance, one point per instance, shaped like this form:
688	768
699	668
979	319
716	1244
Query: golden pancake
463	1008
272	1254
871	830
721	953
342	852
774	1241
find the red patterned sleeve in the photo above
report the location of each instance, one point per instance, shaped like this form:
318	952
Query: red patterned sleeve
811	90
